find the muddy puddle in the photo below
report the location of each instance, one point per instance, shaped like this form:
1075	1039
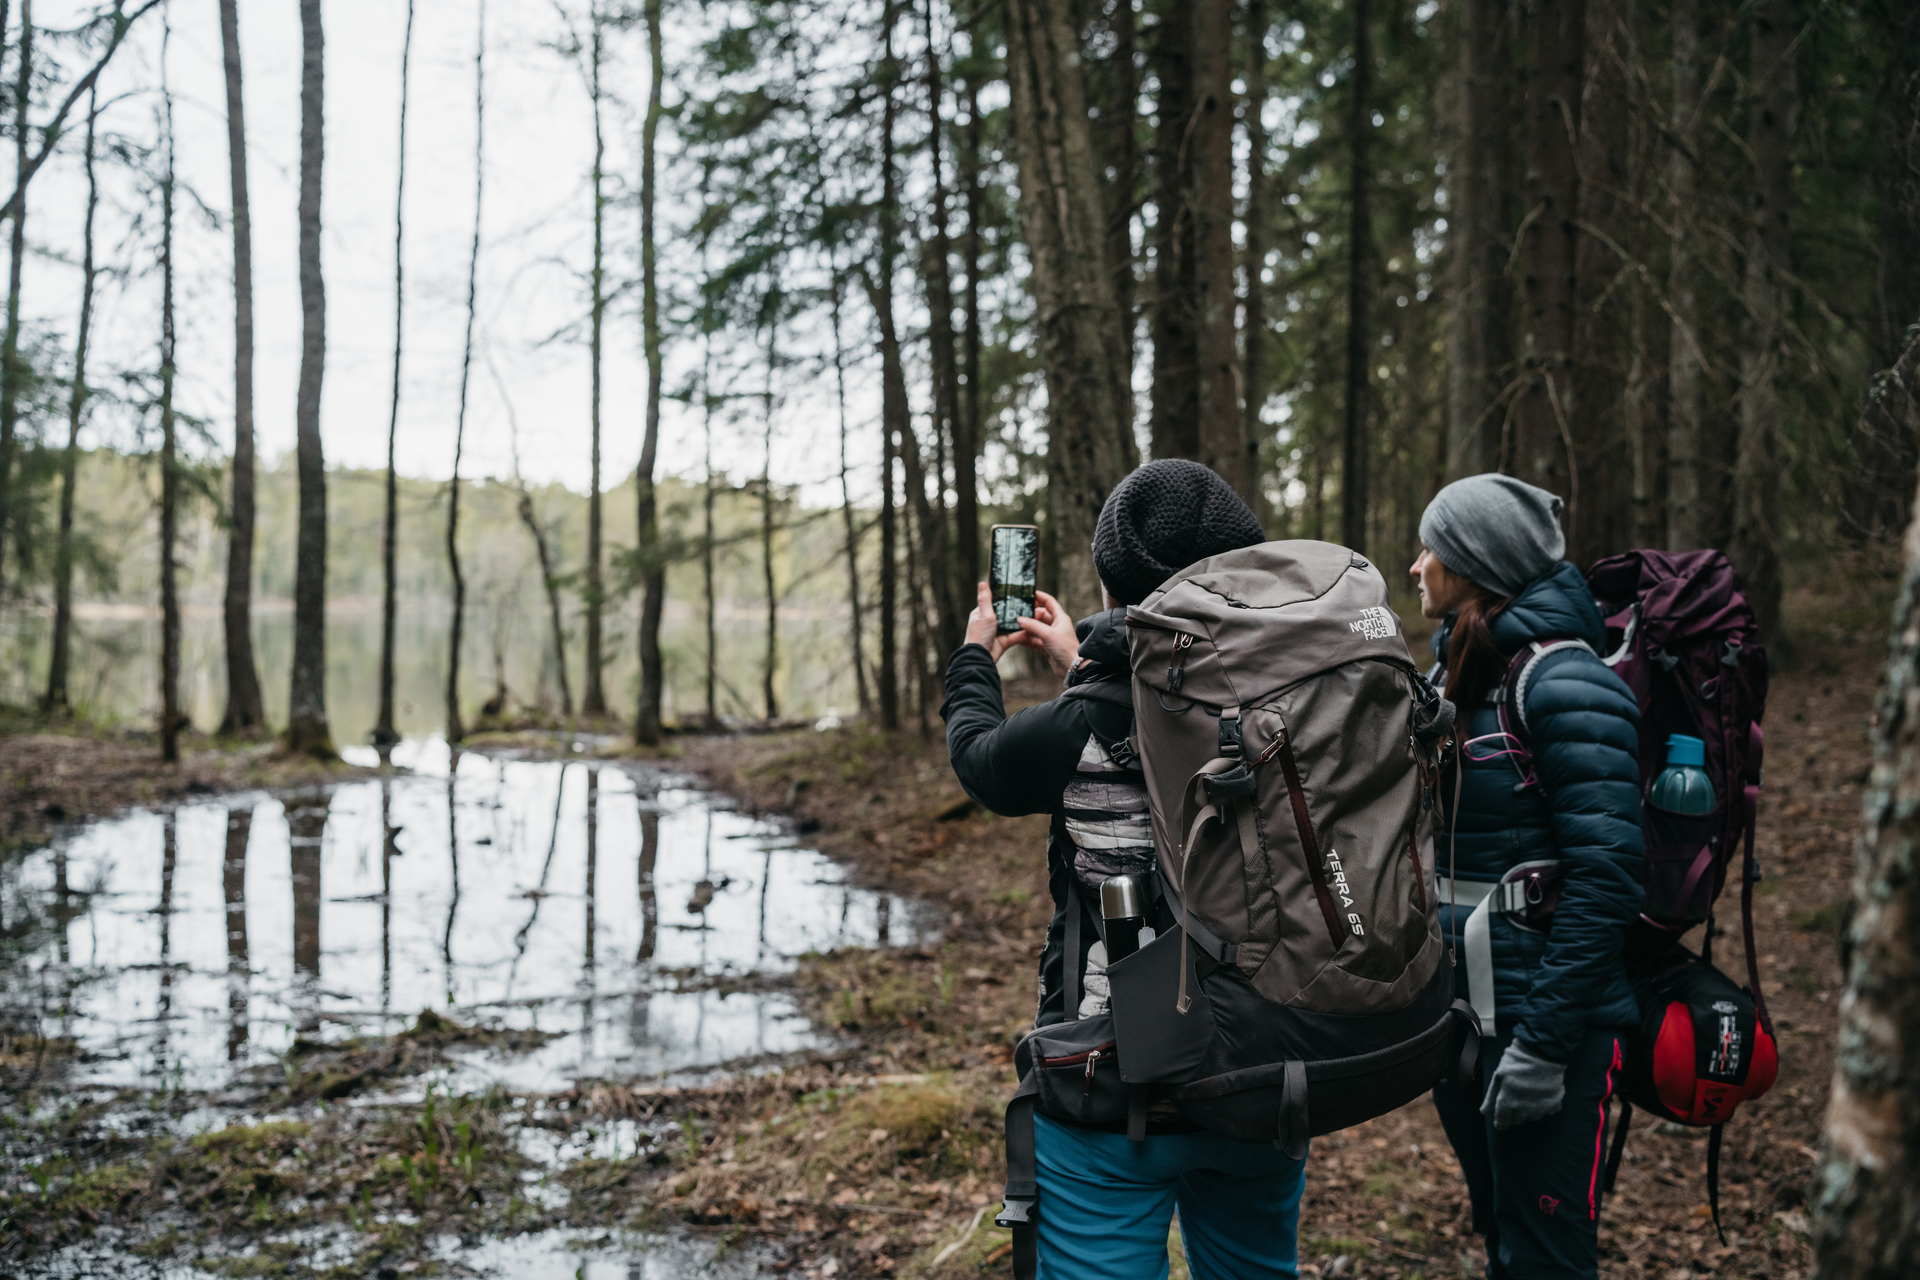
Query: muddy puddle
641	923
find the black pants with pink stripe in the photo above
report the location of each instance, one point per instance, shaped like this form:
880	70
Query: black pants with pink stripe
1536	1187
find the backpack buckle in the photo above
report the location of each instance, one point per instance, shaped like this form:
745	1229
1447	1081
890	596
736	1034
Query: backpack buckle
1231	745
1731	658
1016	1212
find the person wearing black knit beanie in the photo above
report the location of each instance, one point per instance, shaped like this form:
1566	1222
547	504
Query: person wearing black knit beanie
1163	517
1107	1198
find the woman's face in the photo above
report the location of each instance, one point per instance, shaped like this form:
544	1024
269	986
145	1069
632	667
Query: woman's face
1441	589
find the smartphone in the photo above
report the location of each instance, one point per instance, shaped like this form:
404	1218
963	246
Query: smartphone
1013	574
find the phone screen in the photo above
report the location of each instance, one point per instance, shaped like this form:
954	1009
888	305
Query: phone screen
1013	573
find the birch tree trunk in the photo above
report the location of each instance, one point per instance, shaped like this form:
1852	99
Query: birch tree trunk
245	711
646	719
893	408
1755	546
593	699
456	727
856	624
57	700
307	729
1537	449
11	374
1867	1188
170	715
1089	401
384	733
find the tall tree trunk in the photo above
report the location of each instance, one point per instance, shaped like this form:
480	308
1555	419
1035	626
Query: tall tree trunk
1868	1183
893	408
653	569
1209	182
967	444
307	730
1685	518
1253	367
1541	422
1479	336
12	375
245	711
593	701
1755	546
1600	523
57	699
1884	464
855	623
947	579
1089	402
706	535
1356	442
170	715
771	667
456	630
1120	152
1173	415
384	734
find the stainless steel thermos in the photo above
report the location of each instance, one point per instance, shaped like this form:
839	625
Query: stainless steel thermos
1121	909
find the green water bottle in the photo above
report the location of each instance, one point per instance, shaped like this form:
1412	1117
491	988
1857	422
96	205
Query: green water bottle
1682	796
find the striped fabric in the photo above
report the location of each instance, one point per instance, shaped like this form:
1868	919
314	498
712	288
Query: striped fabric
1107	819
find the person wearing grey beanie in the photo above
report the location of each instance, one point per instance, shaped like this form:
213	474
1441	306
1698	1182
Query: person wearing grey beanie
1551	989
1495	530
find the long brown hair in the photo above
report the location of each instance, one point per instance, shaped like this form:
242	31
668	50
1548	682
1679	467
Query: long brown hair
1474	662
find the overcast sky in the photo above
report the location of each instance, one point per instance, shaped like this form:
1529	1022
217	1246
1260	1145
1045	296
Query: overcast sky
536	244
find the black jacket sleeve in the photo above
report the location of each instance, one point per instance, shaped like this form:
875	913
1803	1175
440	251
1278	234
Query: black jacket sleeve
1009	765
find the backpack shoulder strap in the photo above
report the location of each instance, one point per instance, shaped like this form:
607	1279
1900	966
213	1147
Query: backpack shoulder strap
1118	693
1511	693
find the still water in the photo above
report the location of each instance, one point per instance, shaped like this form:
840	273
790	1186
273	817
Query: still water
606	902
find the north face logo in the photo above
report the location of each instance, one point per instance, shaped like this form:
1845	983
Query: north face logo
1374	622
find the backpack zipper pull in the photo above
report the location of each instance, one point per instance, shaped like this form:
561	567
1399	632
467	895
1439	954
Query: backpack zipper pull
1272	748
1086	1086
1175	675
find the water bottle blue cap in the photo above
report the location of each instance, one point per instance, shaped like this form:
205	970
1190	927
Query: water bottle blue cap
1683	749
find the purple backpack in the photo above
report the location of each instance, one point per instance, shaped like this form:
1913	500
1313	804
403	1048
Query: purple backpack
1685	641
1681	635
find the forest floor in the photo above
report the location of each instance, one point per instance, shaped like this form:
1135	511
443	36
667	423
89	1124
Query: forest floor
883	1155
54	771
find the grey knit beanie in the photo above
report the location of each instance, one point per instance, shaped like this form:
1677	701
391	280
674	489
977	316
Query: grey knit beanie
1162	517
1498	531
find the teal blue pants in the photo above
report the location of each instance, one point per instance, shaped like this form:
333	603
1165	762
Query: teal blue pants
1106	1205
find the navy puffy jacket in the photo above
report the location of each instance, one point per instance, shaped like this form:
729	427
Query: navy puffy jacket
1583	727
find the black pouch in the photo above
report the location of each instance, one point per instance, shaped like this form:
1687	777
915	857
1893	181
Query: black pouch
1162	1045
1076	1068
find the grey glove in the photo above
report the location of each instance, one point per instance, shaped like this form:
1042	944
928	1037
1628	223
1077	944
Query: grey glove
1524	1088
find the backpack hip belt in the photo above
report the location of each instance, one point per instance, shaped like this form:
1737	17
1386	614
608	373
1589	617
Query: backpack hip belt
1522	894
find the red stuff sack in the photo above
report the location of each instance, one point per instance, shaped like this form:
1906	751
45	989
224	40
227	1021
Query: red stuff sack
1703	1049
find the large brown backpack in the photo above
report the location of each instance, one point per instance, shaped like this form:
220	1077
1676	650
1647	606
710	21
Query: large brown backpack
1298	982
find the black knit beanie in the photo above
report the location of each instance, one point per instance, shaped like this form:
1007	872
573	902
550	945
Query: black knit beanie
1160	519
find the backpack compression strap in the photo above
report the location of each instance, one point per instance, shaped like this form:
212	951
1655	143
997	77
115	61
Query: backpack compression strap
1020	1209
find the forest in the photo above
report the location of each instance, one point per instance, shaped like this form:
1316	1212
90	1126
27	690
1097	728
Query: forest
681	357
